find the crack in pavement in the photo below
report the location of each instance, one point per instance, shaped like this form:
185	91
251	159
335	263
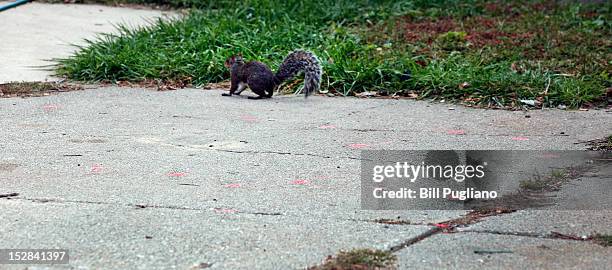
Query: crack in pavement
416	239
282	153
366	109
202	148
450	226
143	206
551	235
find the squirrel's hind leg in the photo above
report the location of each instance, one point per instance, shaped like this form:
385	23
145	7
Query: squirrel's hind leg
261	90
241	87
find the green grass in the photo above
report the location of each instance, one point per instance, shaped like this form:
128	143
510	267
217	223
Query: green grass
480	52
603	239
555	180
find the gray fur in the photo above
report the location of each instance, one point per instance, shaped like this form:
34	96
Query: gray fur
302	61
262	81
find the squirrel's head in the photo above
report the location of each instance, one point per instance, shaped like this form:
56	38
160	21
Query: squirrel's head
234	59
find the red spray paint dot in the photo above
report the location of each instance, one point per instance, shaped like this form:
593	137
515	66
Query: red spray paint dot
248	118
235	185
442	225
300	182
225	210
358	145
327	126
455	132
50	107
177	174
96	168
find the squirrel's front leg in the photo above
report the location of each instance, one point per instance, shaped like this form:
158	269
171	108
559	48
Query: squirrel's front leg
233	87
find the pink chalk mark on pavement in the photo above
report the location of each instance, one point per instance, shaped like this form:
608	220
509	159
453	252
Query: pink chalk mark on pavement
235	185
225	210
248	118
520	138
177	174
358	145
96	168
550	155
49	107
455	132
327	126
300	182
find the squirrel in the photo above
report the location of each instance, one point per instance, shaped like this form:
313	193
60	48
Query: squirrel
262	81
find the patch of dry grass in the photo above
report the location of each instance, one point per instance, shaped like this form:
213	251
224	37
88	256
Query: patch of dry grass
35	89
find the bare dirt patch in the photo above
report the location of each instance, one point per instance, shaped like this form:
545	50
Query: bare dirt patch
35	89
358	259
603	144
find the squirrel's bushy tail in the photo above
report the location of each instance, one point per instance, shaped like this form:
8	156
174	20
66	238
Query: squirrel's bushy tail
301	61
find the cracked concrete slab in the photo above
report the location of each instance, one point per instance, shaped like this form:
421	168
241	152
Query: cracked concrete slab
116	237
543	222
194	159
457	251
35	33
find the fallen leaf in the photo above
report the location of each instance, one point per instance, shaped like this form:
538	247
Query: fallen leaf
412	95
367	94
529	102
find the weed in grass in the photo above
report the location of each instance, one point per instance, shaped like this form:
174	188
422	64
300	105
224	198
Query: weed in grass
359	259
486	53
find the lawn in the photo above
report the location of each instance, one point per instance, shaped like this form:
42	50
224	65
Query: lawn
481	53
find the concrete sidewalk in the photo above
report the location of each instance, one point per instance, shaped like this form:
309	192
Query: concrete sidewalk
35	33
141	179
